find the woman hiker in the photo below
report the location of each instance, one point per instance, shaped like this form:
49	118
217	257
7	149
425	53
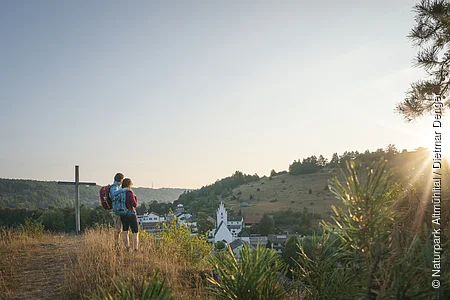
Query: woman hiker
129	219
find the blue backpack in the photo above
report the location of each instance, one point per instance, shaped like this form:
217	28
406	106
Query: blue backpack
119	198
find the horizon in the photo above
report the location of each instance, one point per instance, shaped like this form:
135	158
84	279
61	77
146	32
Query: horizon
191	92
260	175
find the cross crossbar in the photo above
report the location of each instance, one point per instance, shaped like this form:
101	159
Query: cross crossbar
77	183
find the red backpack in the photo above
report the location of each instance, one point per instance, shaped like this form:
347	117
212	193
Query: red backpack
105	200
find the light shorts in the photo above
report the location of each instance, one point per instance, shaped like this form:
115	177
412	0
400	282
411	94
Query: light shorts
117	223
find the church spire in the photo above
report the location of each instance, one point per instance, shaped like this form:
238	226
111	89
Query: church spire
221	215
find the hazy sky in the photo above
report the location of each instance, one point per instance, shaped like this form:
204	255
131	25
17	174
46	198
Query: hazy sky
182	93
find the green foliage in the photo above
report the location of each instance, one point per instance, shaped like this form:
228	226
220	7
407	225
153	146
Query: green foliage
409	276
380	239
322	271
32	228
299	221
187	248
266	225
309	165
205	198
53	220
255	276
203	224
32	194
290	251
153	290
220	245
431	34
363	222
334	160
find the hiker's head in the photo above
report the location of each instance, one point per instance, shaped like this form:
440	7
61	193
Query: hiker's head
126	183
118	177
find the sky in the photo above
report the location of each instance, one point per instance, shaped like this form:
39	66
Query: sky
183	93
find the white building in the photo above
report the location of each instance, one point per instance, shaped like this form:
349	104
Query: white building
151	222
227	227
151	217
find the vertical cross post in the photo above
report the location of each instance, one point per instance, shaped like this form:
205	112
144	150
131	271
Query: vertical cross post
77	196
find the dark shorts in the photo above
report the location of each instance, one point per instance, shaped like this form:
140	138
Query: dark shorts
129	221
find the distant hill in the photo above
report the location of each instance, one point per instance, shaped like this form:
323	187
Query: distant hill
284	191
32	194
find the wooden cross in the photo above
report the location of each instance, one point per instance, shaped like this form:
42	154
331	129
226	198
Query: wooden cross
77	195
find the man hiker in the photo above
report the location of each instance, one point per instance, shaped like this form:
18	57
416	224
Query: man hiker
114	191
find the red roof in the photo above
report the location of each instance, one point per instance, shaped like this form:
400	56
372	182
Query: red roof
252	219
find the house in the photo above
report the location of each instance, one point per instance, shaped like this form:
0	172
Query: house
277	241
249	221
151	217
235	225
180	208
151	222
257	239
236	247
185	219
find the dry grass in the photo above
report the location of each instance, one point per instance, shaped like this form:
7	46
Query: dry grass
99	262
292	191
75	267
33	267
285	192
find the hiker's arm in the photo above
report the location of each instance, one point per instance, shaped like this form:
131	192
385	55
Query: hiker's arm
118	191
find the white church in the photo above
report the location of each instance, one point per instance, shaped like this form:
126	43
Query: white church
227	227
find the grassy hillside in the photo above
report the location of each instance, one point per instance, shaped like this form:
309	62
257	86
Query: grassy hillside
309	191
284	192
31	194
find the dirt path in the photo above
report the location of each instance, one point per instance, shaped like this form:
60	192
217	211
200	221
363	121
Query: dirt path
40	270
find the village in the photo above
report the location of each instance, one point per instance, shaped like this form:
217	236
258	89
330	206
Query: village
228	229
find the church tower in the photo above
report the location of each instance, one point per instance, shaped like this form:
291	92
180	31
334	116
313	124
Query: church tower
221	215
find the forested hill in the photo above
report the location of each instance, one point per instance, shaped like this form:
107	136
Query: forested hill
31	194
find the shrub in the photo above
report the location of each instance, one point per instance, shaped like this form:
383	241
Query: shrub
310	191
318	271
255	276
153	290
283	181
189	249
32	228
220	245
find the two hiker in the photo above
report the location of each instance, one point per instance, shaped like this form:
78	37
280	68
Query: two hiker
124	208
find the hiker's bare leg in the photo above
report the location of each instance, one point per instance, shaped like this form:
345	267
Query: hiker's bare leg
126	240
117	230
136	241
